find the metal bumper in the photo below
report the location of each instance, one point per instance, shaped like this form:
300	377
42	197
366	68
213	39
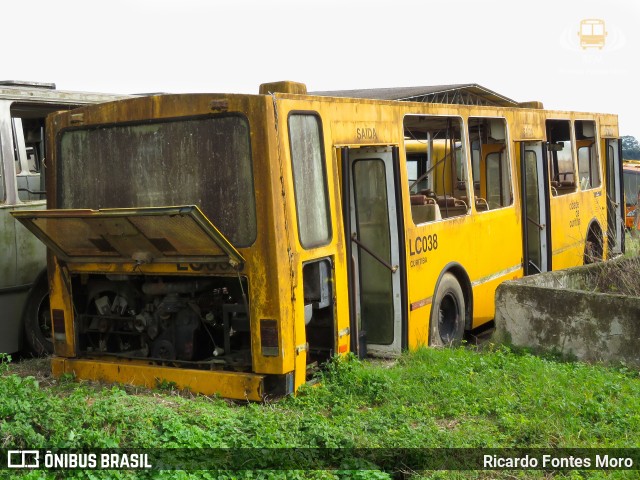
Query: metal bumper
235	385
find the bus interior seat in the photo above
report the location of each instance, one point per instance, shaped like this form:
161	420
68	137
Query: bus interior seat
566	186
481	205
452	206
424	209
449	205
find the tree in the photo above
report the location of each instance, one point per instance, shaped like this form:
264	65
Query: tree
630	148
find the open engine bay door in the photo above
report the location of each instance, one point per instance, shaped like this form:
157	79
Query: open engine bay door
131	235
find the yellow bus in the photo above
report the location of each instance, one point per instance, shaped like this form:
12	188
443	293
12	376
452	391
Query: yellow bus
24	106
230	243
631	172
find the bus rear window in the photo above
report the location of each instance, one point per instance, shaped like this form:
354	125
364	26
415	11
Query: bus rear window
202	161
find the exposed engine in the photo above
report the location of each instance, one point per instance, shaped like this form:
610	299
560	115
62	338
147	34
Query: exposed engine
199	322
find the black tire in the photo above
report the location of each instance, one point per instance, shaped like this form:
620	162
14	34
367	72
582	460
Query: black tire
593	250
38	332
446	326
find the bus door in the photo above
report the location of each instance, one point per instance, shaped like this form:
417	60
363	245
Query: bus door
615	204
374	228
535	208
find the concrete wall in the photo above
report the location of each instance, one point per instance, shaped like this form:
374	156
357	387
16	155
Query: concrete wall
565	311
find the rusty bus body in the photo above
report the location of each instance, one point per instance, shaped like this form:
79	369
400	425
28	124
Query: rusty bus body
229	243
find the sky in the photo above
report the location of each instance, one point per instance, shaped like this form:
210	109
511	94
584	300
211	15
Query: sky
524	50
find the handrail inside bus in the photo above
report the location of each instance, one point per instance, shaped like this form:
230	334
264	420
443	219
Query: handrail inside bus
541	227
33	192
424	175
539	270
355	240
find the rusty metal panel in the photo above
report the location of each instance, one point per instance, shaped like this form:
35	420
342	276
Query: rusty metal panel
142	235
237	385
527	125
274	261
609	126
32	94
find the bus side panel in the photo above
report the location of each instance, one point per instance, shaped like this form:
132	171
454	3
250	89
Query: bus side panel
11	305
471	240
498	242
31	252
468	239
11	299
430	247
566	234
8	248
570	218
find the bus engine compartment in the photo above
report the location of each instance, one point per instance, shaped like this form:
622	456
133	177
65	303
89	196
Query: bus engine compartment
199	322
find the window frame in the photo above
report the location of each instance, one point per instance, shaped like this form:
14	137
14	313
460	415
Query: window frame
551	163
509	194
632	198
495	157
325	187
60	134
463	148
595	145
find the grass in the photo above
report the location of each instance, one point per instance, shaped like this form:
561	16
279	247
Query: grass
632	245
461	398
450	398
620	276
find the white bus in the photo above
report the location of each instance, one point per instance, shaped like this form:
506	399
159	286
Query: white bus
24	309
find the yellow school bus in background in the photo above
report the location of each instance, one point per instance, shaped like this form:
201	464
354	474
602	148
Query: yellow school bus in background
231	243
631	173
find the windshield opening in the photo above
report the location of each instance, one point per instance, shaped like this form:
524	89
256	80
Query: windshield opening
197	161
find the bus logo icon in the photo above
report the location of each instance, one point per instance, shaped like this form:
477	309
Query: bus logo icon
592	33
23	459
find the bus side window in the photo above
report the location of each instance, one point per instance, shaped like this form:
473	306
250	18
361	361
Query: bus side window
631	185
18	143
2	187
442	176
33	160
588	160
19	151
28	143
491	165
29	137
417	160
560	157
34	144
309	179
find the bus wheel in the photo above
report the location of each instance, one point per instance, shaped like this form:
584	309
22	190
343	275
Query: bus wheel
37	320
446	325
593	248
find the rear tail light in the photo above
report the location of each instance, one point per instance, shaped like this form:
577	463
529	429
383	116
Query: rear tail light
269	337
59	329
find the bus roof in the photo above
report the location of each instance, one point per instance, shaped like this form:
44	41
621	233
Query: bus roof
463	94
38	92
